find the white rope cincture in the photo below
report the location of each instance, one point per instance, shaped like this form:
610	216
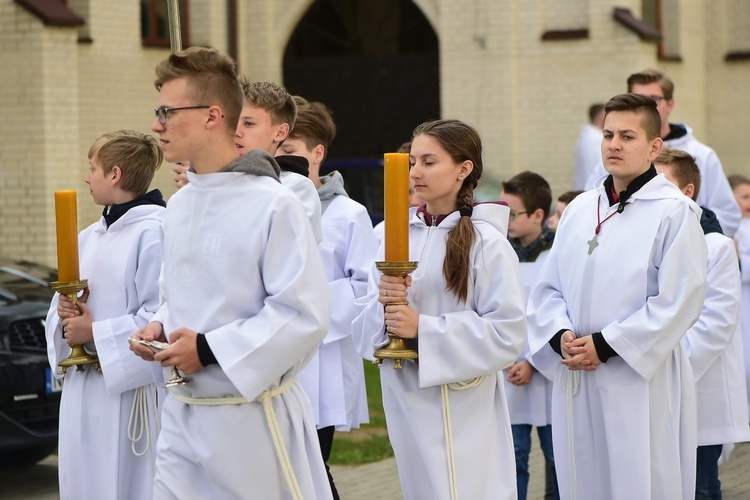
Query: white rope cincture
570	388
273	425
450	456
139	424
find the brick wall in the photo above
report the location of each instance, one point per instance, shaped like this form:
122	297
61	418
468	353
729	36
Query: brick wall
527	97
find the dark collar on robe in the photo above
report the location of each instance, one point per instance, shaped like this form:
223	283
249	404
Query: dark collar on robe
623	196
113	212
676	130
292	163
709	222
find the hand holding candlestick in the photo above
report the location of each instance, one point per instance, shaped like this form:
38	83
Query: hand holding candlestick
396	208
78	356
66	223
398	348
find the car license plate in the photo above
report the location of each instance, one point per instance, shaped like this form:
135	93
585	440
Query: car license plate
53	384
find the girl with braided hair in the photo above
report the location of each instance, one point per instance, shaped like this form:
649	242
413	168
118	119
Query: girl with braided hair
447	414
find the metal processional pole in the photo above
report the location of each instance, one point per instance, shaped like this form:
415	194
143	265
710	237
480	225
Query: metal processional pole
175	31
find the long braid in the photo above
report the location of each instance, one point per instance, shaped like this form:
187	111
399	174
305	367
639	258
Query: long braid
456	265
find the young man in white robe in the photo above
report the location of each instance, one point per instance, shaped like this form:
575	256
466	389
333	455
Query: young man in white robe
268	115
244	305
714	344
716	193
623	282
335	379
99	455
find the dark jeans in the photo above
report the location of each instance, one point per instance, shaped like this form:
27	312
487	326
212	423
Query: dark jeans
325	436
522	445
707	484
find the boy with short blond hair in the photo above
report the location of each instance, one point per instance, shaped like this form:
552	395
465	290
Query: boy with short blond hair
714	343
120	255
267	118
335	380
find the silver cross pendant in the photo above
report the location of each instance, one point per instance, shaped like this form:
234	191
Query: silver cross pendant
593	243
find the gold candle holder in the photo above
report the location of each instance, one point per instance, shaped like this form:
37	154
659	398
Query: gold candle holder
399	348
78	357
176	379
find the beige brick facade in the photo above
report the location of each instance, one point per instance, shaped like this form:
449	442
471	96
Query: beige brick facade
527	96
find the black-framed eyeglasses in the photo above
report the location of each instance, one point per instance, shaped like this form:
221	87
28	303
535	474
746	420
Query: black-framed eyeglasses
514	214
163	113
658	98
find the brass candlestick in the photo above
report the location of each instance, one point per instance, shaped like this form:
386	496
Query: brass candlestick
176	379
398	348
78	357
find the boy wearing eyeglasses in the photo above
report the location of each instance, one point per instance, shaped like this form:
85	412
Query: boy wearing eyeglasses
268	115
529	197
244	304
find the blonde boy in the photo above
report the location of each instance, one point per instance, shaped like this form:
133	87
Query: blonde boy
120	255
714	343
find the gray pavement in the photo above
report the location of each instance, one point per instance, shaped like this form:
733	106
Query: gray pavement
378	480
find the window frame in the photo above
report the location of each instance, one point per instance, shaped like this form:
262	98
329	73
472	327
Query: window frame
153	39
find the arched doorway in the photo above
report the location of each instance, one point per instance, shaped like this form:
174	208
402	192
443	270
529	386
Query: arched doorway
376	65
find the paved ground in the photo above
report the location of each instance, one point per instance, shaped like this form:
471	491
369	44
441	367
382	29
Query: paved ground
372	481
379	480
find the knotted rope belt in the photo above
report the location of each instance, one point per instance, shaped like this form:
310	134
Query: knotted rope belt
273	425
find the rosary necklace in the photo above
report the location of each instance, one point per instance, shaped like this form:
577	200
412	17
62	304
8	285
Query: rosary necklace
593	242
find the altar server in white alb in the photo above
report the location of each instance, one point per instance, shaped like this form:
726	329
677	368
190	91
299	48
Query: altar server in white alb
716	193
447	415
741	188
335	378
623	282
714	343
109	418
244	303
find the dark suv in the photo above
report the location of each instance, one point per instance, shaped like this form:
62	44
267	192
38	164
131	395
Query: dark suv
29	394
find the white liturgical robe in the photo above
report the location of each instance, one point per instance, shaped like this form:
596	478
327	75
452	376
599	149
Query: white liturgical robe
242	268
335	378
714	347
458	342
121	264
628	429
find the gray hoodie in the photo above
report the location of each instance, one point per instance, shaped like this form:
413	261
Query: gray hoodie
256	162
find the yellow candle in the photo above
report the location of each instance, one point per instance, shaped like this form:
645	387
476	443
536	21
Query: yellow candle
396	207
66	216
